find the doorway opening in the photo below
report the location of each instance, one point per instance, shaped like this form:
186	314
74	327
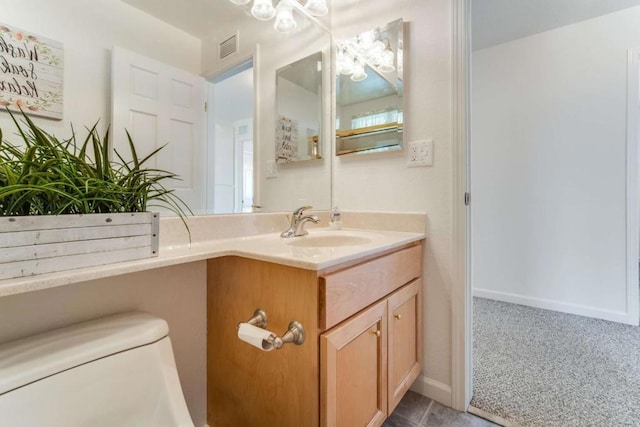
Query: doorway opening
554	219
231	140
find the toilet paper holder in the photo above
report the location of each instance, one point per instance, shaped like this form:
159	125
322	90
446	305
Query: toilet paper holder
295	331
259	319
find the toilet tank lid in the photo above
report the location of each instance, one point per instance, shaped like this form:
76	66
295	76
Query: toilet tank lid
30	359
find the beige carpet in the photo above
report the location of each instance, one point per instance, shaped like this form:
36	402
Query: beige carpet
536	367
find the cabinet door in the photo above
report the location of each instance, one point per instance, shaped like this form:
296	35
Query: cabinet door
405	340
353	386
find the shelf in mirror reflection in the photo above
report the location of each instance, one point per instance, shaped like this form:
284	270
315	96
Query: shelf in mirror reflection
369	139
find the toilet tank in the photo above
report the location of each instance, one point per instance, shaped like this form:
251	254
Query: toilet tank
115	371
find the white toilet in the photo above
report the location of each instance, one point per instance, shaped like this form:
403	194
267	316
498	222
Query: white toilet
117	371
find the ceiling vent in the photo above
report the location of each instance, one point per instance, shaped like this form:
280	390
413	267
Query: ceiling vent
228	47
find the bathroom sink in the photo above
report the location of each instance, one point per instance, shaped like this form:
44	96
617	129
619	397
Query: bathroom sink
329	239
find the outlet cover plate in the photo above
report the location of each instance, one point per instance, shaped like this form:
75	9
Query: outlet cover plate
420	153
271	169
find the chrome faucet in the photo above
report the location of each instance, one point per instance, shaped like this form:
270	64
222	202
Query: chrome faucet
296	228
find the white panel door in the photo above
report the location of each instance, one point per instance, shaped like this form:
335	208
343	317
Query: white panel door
161	105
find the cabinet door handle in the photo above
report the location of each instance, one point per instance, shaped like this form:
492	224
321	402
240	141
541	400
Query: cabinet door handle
377	333
398	316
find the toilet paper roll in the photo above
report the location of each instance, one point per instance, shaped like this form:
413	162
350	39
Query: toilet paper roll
255	336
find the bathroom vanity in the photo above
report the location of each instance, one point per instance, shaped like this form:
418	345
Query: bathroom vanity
329	281
362	318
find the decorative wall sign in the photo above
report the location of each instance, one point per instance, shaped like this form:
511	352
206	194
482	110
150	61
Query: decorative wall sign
286	139
31	73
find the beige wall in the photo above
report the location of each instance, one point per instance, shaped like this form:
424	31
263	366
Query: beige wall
176	294
382	182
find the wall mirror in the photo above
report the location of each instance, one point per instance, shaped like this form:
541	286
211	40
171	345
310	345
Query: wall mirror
241	173
299	110
369	91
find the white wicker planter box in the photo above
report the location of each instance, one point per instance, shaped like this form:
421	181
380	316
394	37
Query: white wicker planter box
31	245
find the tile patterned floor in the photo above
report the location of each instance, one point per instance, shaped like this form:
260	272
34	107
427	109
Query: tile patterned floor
415	410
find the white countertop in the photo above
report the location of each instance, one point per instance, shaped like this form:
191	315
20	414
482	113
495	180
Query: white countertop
265	247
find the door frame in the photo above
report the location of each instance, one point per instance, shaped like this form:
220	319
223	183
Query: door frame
461	296
462	314
633	187
239	65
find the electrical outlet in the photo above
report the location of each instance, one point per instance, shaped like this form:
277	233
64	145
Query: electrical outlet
420	153
272	169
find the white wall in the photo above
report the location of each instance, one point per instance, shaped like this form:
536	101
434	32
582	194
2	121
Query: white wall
382	182
88	30
548	167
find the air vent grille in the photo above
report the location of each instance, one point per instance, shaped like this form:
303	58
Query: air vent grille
243	130
228	47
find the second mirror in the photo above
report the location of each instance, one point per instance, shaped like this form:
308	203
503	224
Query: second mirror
299	110
369	98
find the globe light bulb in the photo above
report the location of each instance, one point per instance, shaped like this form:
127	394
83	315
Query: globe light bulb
386	61
263	10
317	7
358	72
240	2
285	21
375	52
366	39
344	64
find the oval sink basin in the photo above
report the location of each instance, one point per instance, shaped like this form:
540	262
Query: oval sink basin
325	241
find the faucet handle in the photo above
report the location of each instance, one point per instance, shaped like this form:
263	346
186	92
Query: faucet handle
298	212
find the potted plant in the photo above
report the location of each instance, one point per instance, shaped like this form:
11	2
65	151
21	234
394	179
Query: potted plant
67	204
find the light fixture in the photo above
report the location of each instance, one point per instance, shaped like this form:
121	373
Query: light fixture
285	21
365	41
386	61
368	48
317	7
263	10
358	72
344	63
374	54
284	18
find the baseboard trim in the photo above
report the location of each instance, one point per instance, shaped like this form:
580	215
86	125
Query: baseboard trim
491	417
432	389
581	310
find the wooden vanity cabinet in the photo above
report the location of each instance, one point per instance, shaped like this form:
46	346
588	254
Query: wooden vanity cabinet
368	362
353	366
362	348
404	319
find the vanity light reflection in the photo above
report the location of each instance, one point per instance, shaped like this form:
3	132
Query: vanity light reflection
370	86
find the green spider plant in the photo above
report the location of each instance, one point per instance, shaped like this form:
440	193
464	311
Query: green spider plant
47	176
